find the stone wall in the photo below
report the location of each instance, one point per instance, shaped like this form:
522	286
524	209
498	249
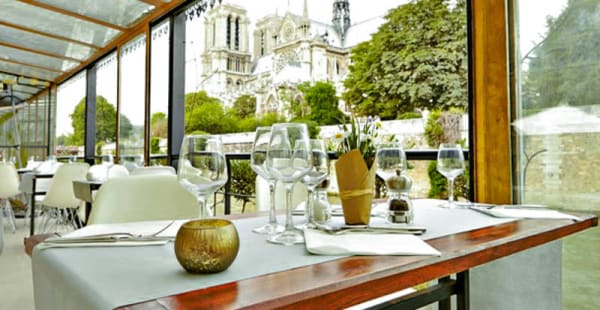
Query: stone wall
566	174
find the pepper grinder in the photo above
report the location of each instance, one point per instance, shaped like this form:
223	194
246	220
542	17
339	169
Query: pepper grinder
400	207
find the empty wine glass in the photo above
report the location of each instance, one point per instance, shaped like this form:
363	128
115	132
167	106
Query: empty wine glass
202	169
258	159
319	170
288	160
450	163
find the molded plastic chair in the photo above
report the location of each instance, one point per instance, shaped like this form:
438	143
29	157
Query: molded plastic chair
163	170
9	187
143	198
60	203
116	171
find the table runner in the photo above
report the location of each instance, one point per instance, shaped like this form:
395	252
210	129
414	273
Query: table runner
108	277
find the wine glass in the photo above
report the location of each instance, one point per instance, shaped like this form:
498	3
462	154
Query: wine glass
288	159
258	159
391	160
450	163
202	169
319	170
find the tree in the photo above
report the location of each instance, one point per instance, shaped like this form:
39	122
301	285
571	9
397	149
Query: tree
417	59
563	67
159	125
106	122
206	114
245	106
322	102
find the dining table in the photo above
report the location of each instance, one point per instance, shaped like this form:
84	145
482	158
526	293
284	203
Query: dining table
84	190
484	261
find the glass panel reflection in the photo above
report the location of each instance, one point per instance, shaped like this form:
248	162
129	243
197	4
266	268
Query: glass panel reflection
43	61
159	90
106	105
131	99
27	71
70	116
58	24
119	12
39	42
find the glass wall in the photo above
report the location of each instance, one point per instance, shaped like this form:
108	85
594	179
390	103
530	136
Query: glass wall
557	126
106	105
70	116
159	92
132	105
558	108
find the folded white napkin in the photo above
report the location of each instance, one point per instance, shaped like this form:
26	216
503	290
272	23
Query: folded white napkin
359	243
514	212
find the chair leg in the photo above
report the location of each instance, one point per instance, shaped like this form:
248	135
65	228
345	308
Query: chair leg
10	215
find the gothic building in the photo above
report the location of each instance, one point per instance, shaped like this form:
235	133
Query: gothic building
286	50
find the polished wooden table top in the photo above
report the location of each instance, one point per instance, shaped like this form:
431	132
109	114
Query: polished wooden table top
356	279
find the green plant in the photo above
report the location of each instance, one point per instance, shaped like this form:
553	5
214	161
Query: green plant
359	136
434	133
242	181
439	184
409	115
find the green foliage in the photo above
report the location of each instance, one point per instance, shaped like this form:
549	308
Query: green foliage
159	125
434	133
322	102
359	136
245	106
410	115
417	59
106	122
563	67
242	180
154	145
439	184
204	113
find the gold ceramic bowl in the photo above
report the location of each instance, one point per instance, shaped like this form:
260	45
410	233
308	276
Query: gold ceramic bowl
207	245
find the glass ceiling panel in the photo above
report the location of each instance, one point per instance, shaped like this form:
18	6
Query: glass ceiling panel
55	23
120	12
39	42
28	71
36	59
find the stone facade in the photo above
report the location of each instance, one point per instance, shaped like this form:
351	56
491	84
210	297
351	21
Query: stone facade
286	50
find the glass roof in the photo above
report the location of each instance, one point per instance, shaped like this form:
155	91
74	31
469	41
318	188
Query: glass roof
46	40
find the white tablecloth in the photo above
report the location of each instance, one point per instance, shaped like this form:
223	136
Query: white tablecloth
108	277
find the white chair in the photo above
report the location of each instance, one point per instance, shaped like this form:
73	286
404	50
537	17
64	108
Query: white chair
299	195
143	198
116	171
60	204
9	187
163	170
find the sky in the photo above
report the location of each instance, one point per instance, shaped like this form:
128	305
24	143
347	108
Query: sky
531	30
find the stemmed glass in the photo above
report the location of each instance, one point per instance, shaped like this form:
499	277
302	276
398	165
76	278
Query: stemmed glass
202	169
258	159
288	159
450	163
319	170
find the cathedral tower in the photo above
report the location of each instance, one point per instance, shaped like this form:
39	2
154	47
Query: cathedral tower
226	57
341	17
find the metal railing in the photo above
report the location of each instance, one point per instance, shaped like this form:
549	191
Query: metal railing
410	155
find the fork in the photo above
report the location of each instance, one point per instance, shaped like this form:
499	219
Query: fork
115	237
338	230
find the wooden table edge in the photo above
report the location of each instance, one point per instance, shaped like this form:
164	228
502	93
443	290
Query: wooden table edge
490	243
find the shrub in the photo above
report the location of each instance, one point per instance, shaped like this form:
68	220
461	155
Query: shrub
409	115
242	181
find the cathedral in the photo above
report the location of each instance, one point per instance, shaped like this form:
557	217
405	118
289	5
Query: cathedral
286	50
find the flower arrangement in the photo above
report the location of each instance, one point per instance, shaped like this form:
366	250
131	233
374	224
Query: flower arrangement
361	137
355	169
